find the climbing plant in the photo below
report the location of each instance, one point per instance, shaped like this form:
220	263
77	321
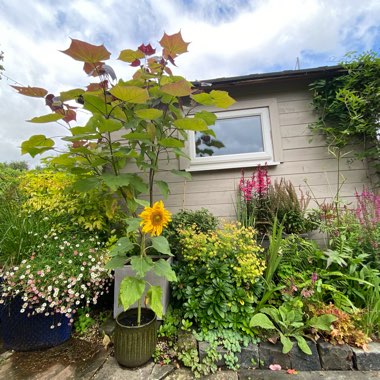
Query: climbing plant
348	105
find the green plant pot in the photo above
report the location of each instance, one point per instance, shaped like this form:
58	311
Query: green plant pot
134	345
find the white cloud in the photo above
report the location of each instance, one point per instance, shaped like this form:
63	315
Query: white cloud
228	37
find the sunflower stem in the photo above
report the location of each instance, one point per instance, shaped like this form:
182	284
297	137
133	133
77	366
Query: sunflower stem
139	312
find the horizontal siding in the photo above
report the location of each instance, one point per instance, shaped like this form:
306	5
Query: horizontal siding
307	162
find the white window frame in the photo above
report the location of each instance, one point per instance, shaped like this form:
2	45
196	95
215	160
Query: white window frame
272	154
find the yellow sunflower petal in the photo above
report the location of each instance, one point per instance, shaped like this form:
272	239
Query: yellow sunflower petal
155	218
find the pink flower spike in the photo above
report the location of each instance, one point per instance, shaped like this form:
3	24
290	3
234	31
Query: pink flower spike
275	367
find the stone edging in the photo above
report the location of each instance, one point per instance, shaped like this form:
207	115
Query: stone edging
325	357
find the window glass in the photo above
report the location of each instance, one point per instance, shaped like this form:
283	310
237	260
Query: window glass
233	136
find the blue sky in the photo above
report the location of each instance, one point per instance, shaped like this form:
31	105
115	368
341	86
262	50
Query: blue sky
228	38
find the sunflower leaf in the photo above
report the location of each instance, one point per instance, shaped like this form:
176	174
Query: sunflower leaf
131	289
163	269
141	265
153	298
160	244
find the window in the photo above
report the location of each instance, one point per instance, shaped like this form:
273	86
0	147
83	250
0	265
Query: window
243	138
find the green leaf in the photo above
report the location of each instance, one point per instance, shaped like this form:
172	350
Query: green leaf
95	104
322	322
64	160
131	290
182	173
71	94
302	344
122	246
129	55
116	262
130	94
83	130
110	125
215	98
153	298
171	142
180	88
141	265
149	113
86	184
161	244
142	202
37	144
164	188
261	320
47	118
133	224
191	124
163	269
208	117
272	312
137	136
116	181
138	183
287	344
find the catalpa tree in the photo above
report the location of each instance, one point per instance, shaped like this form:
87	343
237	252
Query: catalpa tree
132	121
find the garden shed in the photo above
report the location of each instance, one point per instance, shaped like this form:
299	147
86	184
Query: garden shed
268	125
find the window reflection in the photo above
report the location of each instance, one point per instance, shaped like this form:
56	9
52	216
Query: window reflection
233	136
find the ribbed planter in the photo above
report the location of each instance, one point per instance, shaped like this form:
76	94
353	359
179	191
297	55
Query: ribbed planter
134	345
23	333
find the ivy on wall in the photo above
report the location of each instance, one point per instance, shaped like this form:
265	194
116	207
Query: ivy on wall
348	106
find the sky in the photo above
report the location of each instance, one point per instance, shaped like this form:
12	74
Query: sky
228	38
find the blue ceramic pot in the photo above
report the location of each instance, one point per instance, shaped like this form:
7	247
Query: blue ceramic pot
23	333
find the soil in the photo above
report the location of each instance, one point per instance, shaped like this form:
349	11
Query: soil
131	320
71	352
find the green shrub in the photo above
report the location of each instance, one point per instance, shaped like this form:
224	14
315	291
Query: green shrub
219	277
52	194
202	220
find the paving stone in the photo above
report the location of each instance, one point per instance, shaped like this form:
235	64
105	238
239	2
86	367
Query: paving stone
335	357
307	375
85	370
161	371
186	341
111	370
249	356
303	362
5	355
270	353
367	360
180	374
222	375
203	347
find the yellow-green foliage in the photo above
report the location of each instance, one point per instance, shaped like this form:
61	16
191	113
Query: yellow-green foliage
52	193
233	244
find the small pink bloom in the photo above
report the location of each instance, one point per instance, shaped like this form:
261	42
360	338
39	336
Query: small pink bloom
275	367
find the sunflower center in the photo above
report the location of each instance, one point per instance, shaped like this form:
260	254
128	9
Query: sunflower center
156	219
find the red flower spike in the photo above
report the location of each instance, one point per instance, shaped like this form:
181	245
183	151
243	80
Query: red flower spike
147	49
291	372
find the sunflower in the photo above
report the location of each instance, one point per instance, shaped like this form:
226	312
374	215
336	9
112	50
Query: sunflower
155	218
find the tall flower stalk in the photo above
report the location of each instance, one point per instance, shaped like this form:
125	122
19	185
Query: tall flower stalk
146	230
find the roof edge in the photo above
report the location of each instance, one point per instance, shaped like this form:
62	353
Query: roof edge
302	73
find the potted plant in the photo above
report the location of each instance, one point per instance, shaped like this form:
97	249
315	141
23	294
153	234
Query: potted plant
42	293
133	124
135	334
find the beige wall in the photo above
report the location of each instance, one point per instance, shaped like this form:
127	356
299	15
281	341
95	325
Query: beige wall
305	157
